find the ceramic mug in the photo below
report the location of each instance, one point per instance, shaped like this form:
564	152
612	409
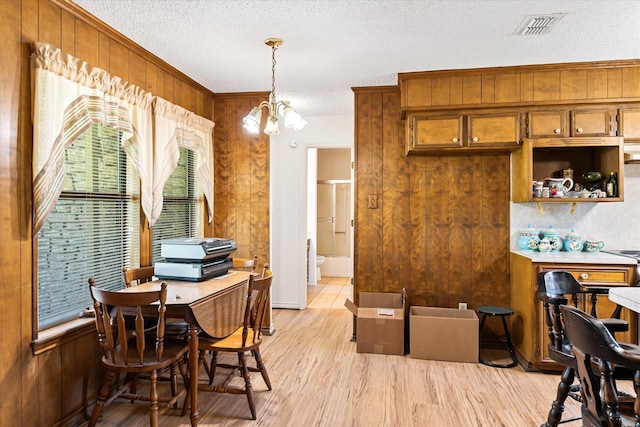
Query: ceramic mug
561	185
593	245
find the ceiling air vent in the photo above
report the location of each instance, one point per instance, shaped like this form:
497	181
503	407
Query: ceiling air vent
535	25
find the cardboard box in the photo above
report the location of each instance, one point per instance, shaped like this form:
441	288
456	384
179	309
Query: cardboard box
443	334
380	323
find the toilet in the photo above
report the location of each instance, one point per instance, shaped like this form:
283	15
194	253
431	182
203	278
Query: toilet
319	262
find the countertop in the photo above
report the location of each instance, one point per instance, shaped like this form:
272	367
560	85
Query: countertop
576	257
626	297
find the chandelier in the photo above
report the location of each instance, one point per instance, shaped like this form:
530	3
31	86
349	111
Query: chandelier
293	120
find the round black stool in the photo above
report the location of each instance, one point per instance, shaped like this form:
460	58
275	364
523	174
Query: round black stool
495	310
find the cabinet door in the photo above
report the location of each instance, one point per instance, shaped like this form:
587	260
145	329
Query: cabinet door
591	122
629	124
547	124
601	278
434	132
494	130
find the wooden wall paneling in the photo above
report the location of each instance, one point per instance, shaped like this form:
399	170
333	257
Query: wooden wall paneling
221	177
488	89
573	84
495	213
440	91
507	88
105	49
27	21
476	289
259	197
49	378
418	237
119	60
546	85
70	391
363	258
391	191
403	227
241	200
185	94
631	82
54	387
199	108
151	79
137	70
461	229
68	33
437	226
81	356
597	83
168	81
471	89
87	42
243	173
13	378
233	137
377	178
49	23
21	224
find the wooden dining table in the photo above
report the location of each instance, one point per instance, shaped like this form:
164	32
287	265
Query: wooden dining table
215	307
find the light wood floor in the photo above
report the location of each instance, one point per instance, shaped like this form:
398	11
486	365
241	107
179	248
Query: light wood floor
319	380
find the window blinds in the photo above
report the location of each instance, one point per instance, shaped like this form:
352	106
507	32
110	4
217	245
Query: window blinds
93	230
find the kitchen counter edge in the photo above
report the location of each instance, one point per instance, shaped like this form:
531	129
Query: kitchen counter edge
576	257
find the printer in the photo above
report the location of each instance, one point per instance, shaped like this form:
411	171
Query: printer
195	259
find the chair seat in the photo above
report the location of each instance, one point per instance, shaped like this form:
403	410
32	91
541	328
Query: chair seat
232	343
173	348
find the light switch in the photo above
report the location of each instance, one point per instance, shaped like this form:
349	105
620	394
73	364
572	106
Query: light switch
373	201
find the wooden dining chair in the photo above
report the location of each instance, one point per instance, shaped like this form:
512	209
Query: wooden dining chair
556	288
247	264
175	328
136	276
135	352
245	340
598	357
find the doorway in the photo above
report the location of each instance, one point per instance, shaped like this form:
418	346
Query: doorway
329	208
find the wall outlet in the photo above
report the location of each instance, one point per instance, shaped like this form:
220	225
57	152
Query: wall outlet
462	306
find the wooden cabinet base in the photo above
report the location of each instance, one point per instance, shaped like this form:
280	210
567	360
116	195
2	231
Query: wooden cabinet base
528	329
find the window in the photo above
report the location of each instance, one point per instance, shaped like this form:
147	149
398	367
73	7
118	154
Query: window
183	206
93	230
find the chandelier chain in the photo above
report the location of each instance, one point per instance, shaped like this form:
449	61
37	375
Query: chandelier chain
273	71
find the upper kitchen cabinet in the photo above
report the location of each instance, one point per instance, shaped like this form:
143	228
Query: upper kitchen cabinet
542	158
461	132
628	119
546	85
571	122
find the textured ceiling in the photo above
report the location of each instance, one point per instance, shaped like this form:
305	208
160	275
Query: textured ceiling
333	45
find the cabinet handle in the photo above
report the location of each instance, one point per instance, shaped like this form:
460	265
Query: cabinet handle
584	276
579	130
475	139
557	130
455	139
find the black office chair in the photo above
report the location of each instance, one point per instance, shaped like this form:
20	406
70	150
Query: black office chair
554	289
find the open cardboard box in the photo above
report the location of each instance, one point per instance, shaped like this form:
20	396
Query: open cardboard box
446	334
380	322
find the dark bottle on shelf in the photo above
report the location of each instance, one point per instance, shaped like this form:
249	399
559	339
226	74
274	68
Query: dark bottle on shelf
612	186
